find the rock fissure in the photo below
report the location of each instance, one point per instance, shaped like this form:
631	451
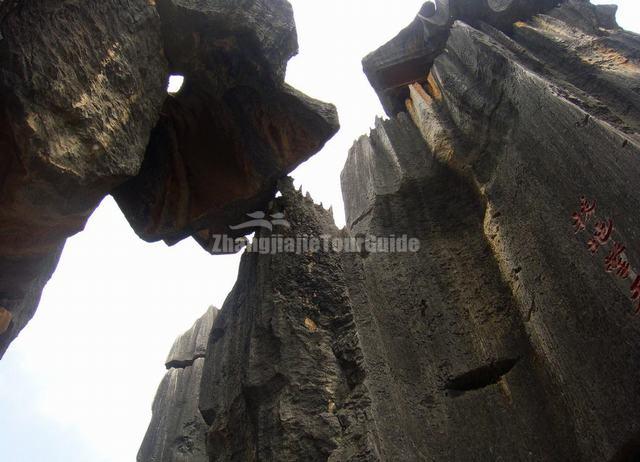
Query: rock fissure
482	377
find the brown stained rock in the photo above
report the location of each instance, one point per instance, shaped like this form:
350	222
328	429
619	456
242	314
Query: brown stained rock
81	86
409	56
233	130
84	108
5	320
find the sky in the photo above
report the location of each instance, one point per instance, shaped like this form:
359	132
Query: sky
78	383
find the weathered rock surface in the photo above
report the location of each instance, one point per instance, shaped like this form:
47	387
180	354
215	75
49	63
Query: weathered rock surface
536	121
177	429
283	376
408	57
449	367
85	112
233	130
504	337
521	126
193	343
81	86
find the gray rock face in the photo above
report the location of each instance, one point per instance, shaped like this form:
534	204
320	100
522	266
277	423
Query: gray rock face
522	323
450	370
177	430
85	113
511	333
283	377
193	343
541	124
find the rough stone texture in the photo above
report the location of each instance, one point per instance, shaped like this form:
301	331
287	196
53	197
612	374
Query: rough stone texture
177	430
535	121
503	338
84	108
525	124
283	378
233	130
408	57
81	85
193	343
450	370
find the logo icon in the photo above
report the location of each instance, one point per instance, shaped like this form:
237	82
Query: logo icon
259	220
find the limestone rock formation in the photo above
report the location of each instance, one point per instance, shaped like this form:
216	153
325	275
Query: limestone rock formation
283	376
177	430
85	113
522	123
235	127
513	332
448	364
78	100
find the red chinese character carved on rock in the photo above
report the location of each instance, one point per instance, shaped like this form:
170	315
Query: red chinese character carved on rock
593	245
586	208
615	262
635	289
578	222
603	231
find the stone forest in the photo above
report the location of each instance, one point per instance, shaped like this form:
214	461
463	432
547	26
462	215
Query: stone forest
511	149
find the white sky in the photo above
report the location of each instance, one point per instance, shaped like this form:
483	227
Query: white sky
78	383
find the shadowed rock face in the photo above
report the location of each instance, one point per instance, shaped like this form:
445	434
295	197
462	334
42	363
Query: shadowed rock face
536	121
177	430
227	137
450	370
507	336
85	112
523	124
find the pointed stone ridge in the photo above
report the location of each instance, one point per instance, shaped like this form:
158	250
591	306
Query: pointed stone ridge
177	430
283	376
408	57
381	163
85	113
193	343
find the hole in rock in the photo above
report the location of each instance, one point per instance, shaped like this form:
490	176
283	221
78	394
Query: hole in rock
482	376
175	84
